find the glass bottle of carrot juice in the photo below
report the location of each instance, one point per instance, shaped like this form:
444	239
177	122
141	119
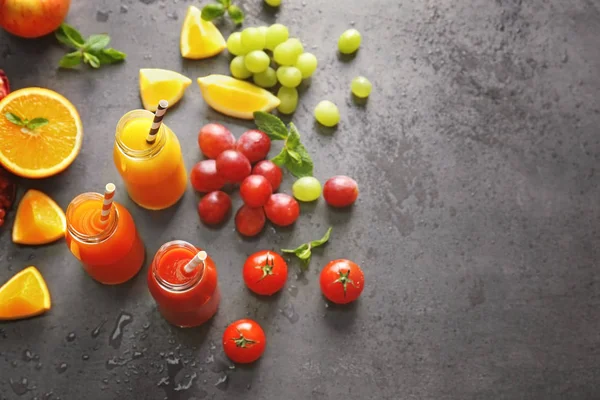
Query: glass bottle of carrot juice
184	299
154	173
111	252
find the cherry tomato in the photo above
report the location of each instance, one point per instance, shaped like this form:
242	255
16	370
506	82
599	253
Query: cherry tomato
214	139
269	170
265	272
255	190
282	209
214	207
342	281
249	221
340	191
204	176
244	341
254	144
233	166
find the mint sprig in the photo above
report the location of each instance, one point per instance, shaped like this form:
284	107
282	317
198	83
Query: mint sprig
92	51
215	10
26	123
293	155
304	251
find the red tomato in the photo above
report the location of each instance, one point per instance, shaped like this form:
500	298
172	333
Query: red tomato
249	221
254	144
282	209
244	341
269	170
265	272
340	191
342	281
255	190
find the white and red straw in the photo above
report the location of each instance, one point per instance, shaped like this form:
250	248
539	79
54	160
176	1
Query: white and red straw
158	117
195	262
109	194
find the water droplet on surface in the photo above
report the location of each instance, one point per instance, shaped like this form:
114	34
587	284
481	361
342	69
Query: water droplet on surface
164	381
115	362
124	9
172	16
137	354
27	355
221	364
185	386
38	366
97	329
116	336
14	363
85	357
71	336
105	380
62	367
293	290
19	386
102	16
222	383
146	325
289	312
210	358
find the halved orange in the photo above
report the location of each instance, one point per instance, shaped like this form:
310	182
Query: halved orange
43	151
39	220
24	295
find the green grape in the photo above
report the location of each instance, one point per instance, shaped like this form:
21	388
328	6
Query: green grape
296	46
266	79
349	41
307	188
252	39
257	61
273	3
276	34
285	54
307	64
361	87
288	98
289	76
238	68
234	44
327	113
263	30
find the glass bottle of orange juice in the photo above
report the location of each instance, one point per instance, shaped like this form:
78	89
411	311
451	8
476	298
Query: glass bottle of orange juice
154	173
105	241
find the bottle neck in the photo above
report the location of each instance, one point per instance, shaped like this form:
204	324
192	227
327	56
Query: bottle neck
160	258
151	150
83	221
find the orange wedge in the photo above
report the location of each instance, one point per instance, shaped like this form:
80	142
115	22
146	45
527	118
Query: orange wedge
24	295
44	150
199	38
39	220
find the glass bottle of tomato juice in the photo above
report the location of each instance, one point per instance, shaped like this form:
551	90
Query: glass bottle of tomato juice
111	252
184	299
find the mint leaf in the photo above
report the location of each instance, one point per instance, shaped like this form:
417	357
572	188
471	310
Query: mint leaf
97	42
304	251
294	156
15	119
281	158
91	59
323	240
36	123
110	56
69	36
302	165
271	125
212	11
293	139
70	60
236	14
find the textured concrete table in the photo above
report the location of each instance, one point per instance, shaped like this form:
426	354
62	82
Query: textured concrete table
477	225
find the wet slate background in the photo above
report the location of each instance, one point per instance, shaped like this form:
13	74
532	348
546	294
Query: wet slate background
477	225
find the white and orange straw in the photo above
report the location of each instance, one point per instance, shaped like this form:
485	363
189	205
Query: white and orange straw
109	194
195	262
161	110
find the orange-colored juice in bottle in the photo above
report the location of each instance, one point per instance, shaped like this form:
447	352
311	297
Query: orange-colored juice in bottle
154	173
111	252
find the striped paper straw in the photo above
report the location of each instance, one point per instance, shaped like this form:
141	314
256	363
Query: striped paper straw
195	262
158	117
109	194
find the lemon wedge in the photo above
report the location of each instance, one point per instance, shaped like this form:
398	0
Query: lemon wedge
158	84
236	98
199	38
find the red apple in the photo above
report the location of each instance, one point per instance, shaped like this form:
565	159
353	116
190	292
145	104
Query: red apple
32	18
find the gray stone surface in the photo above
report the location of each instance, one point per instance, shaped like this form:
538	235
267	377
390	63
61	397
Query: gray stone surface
477	157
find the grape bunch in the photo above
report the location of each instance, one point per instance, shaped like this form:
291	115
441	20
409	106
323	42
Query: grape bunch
8	189
269	56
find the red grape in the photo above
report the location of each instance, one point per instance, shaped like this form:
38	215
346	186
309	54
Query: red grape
282	209
255	190
249	221
214	139
204	176
269	170
213	207
340	191
254	144
233	166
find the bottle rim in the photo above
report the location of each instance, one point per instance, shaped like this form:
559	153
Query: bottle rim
153	150
111	226
176	287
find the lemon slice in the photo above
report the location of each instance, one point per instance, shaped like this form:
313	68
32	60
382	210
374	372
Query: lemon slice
199	38
158	84
236	98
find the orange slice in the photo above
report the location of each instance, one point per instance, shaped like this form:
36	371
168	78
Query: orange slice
43	151
24	295
199	38
39	220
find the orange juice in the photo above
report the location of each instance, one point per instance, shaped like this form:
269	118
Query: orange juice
111	252
154	174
